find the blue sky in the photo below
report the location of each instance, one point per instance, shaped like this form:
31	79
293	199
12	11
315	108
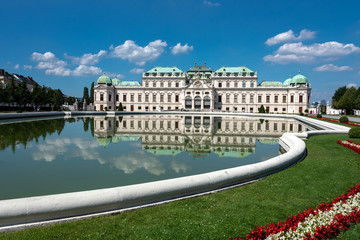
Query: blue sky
69	44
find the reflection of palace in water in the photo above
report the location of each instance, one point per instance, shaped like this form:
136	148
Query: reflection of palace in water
198	135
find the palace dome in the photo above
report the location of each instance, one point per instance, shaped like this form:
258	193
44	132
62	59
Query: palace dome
104	79
287	81
116	81
299	79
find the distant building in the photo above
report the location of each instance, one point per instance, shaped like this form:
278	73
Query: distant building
5	79
201	89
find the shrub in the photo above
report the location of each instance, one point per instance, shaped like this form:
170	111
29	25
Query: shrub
306	111
344	119
105	108
354	132
319	115
120	107
261	109
301	114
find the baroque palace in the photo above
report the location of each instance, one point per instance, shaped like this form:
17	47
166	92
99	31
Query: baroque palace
232	89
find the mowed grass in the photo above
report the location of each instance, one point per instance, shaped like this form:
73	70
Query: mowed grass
328	171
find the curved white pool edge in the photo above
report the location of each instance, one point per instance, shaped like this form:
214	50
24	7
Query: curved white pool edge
32	211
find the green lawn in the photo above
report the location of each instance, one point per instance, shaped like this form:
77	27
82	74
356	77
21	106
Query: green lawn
327	172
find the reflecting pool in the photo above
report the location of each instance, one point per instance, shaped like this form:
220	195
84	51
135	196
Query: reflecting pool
76	154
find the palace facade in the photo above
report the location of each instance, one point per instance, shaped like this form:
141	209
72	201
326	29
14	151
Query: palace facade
234	89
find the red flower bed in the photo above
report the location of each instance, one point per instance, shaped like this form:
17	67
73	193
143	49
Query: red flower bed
352	124
350	145
340	223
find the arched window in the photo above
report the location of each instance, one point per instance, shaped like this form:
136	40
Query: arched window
188	102
197	102
206	102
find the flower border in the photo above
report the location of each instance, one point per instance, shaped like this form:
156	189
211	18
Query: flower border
344	209
350	145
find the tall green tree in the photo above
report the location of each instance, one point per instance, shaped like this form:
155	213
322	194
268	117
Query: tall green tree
10	92
92	93
347	100
37	96
337	95
58	99
86	95
22	94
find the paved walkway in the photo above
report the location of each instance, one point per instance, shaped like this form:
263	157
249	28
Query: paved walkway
351	119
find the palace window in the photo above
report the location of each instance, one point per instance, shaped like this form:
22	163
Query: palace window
197	102
124	98
139	97
235	98
176	98
168	98
227	98
284	98
219	84
243	98
251	99
188	102
227	84
206	102
268	99
292	98
117	97
146	97
243	84
132	98
177	84
301	98
235	84
154	97
101	97
219	99
109	97
146	84
161	98
161	84
259	98
251	84
276	99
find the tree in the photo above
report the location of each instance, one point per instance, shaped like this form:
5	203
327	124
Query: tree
337	95
22	94
120	107
58	98
37	96
10	90
347	101
261	109
92	93
86	95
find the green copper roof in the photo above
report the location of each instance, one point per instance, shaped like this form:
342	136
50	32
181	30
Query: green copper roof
104	79
287	81
232	154
202	69
129	83
271	83
116	81
165	70
166	152
104	141
299	79
233	70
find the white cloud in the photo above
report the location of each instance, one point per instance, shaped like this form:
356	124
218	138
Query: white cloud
137	70
59	71
16	66
298	52
115	75
47	60
351	85
137	54
332	68
55	66
181	49
84	70
289	36
27	67
88	58
211	4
